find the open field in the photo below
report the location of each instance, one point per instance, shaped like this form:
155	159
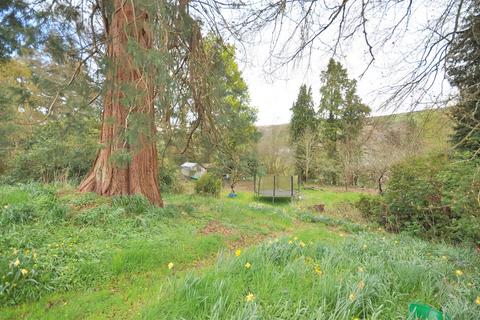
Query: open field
89	257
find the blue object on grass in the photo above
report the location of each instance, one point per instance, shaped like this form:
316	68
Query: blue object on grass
232	195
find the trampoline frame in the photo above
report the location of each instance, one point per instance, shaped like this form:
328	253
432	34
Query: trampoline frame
276	192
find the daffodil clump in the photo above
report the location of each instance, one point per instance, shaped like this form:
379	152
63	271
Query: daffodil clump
21	272
363	277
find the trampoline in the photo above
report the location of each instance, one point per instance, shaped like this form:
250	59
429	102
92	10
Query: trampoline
274	186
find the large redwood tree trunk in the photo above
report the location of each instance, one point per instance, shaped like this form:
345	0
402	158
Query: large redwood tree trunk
127	161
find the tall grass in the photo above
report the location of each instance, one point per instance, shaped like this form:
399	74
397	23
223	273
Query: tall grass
367	277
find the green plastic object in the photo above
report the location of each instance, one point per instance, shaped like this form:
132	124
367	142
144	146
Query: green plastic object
425	312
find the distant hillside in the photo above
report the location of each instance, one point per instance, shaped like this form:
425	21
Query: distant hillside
427	130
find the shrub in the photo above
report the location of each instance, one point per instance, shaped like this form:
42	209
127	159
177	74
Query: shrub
170	179
372	207
55	152
430	196
208	185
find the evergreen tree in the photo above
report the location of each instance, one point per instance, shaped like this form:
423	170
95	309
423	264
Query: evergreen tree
463	67
303	129
342	116
140	51
303	113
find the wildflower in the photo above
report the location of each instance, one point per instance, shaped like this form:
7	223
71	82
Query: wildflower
302	244
477	301
341	234
458	273
295	238
24	272
396	242
361	269
318	270
365	246
250	297
290	241
247	265
352	296
170	265
238	252
355	318
16	263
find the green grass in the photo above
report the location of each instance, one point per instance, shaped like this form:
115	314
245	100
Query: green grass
327	197
366	277
90	257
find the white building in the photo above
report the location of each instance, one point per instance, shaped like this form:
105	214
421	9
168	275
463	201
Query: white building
192	170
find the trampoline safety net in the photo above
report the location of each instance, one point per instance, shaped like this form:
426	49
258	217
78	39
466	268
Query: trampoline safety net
277	186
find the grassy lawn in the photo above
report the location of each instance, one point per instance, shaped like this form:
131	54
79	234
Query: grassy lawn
66	255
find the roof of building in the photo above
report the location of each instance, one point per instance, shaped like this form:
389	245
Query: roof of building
189	165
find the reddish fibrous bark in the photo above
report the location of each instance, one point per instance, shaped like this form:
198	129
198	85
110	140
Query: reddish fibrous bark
139	174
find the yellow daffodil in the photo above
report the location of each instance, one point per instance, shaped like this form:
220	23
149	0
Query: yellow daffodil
16	263
302	244
170	265
477	301
247	265
458	273
24	272
238	252
352	296
250	297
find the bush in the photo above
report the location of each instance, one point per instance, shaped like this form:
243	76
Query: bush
373	208
430	196
208	185
58	151
170	179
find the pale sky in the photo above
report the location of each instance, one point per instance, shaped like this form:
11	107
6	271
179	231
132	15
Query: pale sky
274	95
